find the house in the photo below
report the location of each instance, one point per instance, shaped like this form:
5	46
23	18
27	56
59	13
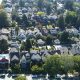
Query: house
44	54
73	31
55	52
44	31
63	49
33	52
35	58
52	17
25	60
24	10
8	10
75	49
4	62
3	37
53	31
14	44
22	36
14	58
5	31
40	42
57	41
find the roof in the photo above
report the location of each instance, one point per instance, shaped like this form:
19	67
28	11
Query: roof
4	60
3	37
36	57
40	41
5	31
33	51
13	50
14	58
4	57
23	59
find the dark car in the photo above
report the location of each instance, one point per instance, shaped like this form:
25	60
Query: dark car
14	75
2	75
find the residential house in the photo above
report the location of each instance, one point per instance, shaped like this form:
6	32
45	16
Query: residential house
73	31
22	35
40	42
14	56
4	62
25	60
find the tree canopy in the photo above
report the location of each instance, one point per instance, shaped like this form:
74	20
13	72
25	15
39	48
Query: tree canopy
21	78
3	45
3	19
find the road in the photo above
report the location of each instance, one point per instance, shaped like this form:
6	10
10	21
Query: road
10	78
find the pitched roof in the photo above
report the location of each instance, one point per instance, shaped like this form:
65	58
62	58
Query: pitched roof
4	60
36	57
23	59
14	58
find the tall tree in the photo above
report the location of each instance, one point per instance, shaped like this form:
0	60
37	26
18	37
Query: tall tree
64	37
61	22
69	5
71	18
20	77
78	22
3	45
28	45
3	19
48	9
77	63
40	4
21	3
49	40
25	21
52	65
67	63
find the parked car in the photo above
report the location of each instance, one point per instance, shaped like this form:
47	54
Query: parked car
2	75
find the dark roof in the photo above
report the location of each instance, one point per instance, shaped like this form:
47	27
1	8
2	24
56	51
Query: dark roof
15	55
55	51
4	60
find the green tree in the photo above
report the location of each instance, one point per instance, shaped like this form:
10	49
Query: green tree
61	22
64	37
40	4
25	21
21	3
22	46
52	65
21	78
49	40
16	68
77	63
78	22
48	9
67	63
71	18
3	19
69	5
3	45
36	69
17	29
28	45
14	24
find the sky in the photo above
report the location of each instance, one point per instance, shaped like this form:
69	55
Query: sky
0	1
